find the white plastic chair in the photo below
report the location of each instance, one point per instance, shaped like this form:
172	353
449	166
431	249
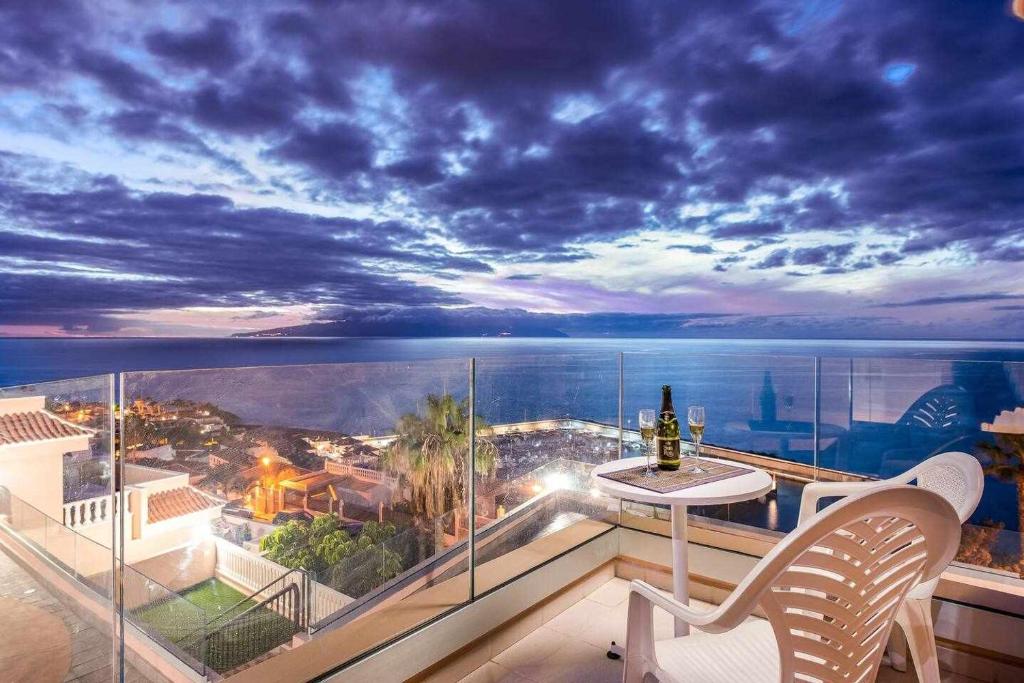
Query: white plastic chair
958	478
830	590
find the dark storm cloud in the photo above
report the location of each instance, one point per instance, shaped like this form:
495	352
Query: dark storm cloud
212	47
121	79
776	259
953	299
694	248
422	170
150	125
748	229
593	180
491	51
264	98
522	129
334	150
101	249
35	37
832	259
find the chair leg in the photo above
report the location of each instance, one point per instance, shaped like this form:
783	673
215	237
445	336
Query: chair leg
639	640
915	618
897	649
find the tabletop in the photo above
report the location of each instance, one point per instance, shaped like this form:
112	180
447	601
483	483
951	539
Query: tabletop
754	484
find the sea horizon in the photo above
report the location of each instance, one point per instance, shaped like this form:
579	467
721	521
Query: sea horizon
25	360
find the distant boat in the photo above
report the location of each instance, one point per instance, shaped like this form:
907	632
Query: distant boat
504	334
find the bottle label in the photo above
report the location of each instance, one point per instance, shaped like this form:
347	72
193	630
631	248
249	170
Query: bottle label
668	450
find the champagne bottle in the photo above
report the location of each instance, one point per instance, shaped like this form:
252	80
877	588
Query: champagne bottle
667	436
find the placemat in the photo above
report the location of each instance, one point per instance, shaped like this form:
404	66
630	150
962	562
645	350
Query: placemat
669	481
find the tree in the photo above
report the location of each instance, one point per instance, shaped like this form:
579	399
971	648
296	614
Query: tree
1006	463
430	454
327	551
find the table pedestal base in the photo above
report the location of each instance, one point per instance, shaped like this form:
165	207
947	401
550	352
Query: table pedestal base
680	565
680	575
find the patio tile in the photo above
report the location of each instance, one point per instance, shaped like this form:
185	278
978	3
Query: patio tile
90	649
493	673
578	662
527	656
612	593
577	618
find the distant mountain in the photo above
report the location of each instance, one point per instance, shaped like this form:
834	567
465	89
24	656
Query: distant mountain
485	322
412	322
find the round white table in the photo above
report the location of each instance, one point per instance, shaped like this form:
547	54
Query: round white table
753	484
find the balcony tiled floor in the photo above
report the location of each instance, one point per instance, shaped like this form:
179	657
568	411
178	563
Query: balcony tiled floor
91	650
571	646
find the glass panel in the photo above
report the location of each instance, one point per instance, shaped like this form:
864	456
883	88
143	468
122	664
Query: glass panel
56	516
301	499
759	410
542	424
898	413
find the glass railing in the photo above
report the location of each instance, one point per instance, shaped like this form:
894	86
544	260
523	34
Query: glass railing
398	492
353	473
56	514
892	414
542	424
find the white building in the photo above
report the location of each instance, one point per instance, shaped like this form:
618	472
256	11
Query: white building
33	442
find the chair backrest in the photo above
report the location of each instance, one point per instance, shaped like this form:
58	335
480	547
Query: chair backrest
832	587
955	476
940	409
958	478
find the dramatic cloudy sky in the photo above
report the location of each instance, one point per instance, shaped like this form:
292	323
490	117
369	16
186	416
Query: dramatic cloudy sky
755	167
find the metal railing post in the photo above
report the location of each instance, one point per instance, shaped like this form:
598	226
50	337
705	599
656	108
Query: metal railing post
472	479
116	426
817	412
622	394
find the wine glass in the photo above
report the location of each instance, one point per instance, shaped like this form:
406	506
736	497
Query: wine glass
695	418
647	434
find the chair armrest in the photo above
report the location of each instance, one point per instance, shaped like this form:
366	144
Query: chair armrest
817	490
698	618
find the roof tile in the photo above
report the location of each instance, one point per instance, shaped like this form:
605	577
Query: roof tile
38	425
178	502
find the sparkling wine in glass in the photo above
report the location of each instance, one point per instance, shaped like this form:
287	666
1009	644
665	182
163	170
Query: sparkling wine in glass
647	434
695	418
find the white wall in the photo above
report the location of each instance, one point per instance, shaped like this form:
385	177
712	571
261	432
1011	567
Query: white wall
34	472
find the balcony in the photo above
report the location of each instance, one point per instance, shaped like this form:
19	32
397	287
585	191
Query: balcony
434	520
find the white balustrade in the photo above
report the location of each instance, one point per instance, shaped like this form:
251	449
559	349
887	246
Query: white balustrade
365	473
253	573
83	513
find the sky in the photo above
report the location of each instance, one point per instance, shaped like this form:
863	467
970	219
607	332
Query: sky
702	168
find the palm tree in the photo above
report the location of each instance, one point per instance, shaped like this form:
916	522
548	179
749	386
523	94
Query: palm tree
1006	463
430	454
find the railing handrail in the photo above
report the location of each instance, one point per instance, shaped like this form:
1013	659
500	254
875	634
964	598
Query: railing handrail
248	598
259	605
251	596
45	516
358	606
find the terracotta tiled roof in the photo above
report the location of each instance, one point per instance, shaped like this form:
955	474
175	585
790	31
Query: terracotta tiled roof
177	502
37	425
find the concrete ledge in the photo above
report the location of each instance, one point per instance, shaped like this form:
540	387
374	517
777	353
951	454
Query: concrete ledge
479	623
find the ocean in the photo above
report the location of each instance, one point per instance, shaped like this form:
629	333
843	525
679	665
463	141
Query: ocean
24	361
760	395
